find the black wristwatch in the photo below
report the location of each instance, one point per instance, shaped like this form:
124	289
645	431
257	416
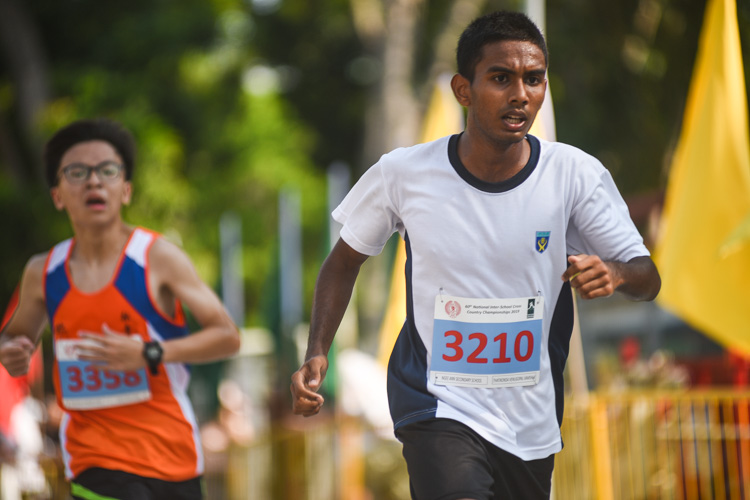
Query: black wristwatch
152	352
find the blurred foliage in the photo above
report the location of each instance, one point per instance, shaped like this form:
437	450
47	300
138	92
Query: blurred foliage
213	132
619	85
230	100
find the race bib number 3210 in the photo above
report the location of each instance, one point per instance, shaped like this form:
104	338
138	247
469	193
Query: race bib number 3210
486	342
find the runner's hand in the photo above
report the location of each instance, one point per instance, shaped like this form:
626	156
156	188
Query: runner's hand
112	351
591	276
15	354
305	383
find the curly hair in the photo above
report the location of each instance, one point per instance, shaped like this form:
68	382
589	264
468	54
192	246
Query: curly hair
96	129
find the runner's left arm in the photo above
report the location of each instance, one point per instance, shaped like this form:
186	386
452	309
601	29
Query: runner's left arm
173	275
637	279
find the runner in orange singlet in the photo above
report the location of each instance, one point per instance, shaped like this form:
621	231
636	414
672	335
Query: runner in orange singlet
113	297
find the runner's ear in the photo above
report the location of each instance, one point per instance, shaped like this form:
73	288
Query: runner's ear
56	198
460	86
127	193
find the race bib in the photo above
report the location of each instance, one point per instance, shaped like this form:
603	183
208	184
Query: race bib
486	342
85	387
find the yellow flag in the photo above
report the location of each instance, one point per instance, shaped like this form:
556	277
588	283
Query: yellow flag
444	117
739	238
708	193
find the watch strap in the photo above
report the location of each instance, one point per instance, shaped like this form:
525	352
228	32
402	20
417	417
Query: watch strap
152	353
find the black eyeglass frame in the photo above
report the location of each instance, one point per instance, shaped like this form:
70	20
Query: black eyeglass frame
66	172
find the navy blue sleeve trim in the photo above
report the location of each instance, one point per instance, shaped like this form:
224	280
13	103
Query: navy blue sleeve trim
561	328
408	397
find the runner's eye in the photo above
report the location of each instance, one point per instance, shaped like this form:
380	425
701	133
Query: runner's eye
109	171
77	172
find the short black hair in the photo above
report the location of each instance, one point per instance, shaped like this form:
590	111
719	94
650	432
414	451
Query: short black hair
95	129
495	27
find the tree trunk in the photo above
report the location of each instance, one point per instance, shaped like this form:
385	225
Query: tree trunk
22	51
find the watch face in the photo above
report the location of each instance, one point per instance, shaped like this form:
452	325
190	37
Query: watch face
152	351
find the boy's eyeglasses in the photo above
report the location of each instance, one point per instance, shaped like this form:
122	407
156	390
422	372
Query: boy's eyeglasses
78	173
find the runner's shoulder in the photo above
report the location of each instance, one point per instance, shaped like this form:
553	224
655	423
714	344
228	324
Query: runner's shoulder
35	265
33	275
168	259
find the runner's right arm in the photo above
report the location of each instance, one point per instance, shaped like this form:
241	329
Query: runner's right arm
333	291
20	335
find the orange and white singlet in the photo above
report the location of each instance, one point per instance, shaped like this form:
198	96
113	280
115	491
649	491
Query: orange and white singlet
129	421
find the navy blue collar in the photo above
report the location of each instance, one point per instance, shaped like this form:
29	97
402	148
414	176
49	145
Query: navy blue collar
494	187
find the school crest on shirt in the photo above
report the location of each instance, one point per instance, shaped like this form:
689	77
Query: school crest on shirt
542	241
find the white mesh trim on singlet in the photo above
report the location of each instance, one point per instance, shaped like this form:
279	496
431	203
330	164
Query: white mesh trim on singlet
138	245
58	255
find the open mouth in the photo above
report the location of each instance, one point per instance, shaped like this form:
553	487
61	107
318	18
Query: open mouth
514	120
95	201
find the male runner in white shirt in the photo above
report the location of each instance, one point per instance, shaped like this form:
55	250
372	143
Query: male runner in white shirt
499	225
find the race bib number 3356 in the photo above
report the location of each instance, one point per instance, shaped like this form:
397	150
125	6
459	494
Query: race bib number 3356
85	387
486	342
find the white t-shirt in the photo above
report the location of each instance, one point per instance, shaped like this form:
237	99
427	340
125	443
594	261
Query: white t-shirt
497	245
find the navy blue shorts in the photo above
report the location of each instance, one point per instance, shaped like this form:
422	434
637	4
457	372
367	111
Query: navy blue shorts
97	483
447	460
